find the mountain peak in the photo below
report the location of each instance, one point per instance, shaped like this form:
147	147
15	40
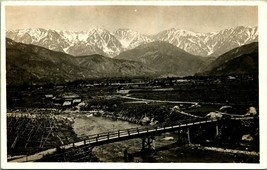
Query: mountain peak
101	41
125	31
130	38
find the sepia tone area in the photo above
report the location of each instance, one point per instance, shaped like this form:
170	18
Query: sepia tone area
144	19
132	84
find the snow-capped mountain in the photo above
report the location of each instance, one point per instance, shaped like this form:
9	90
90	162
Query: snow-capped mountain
94	41
209	44
101	41
131	39
46	38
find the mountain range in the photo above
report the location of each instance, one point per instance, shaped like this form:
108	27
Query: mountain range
27	63
111	44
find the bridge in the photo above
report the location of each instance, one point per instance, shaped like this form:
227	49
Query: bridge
145	133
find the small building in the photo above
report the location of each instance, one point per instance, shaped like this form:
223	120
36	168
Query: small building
70	96
67	103
68	99
123	91
49	96
231	78
79	100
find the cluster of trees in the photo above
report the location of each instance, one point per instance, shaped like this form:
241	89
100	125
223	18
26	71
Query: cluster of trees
119	108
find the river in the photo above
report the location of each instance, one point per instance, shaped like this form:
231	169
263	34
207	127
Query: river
167	150
113	152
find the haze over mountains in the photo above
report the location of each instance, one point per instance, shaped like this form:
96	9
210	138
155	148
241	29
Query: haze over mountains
111	44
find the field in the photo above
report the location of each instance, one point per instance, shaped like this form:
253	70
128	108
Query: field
33	131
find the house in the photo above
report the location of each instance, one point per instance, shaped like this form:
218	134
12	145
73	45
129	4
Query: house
78	100
231	77
67	99
69	96
123	91
66	103
49	96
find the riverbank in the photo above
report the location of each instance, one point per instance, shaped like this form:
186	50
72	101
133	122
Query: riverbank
167	148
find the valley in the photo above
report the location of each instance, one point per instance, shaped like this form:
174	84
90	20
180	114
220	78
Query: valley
115	104
69	91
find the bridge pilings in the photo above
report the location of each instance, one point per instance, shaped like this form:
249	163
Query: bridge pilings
217	130
183	136
188	135
148	144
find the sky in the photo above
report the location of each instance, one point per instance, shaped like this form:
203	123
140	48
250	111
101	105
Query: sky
144	19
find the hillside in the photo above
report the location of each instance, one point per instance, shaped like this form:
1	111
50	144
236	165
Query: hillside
108	67
34	64
241	60
165	58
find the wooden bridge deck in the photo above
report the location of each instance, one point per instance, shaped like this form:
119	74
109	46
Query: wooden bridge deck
109	137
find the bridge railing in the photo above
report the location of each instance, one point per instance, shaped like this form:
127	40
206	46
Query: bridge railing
133	131
86	141
140	130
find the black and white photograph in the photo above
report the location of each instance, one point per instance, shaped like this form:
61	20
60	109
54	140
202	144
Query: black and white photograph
132	83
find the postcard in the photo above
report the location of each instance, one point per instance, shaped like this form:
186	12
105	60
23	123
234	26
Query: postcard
133	84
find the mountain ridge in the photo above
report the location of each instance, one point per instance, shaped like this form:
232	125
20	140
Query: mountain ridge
165	57
111	44
26	63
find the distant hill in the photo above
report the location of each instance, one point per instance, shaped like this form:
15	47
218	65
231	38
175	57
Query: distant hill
166	58
30	63
108	67
241	60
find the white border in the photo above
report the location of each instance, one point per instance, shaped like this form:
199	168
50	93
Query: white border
262	12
